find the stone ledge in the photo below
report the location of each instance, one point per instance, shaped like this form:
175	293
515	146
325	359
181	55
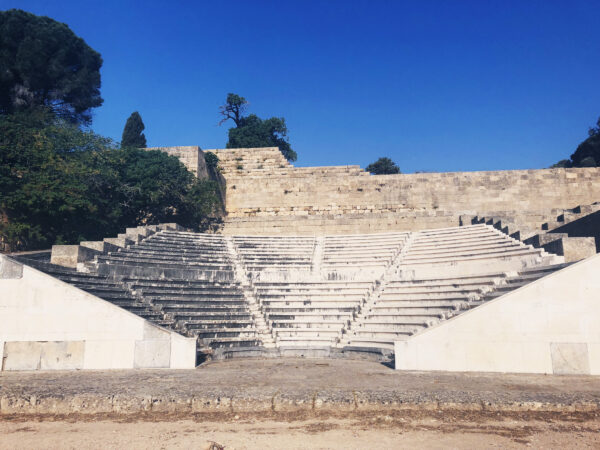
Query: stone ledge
294	385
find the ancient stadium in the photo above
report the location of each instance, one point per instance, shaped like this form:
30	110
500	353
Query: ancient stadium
472	271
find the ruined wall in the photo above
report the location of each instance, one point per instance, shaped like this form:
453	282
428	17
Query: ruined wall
337	202
267	195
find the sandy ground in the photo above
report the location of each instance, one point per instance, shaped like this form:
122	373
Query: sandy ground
382	432
296	403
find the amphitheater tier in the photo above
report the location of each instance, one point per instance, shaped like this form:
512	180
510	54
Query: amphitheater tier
347	294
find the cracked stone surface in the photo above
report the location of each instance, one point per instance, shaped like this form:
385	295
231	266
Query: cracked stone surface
289	385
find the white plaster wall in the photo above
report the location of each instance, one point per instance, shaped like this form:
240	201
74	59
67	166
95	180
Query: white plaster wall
41	308
549	326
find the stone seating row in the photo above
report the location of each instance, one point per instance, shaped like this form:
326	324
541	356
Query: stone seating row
203	285
260	253
377	250
406	307
309	313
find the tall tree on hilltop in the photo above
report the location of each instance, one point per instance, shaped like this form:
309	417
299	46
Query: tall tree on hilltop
383	166
43	63
233	109
252	131
132	133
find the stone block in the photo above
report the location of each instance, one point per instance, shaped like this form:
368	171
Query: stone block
32	355
572	248
10	269
570	358
109	354
21	355
152	353
63	355
70	255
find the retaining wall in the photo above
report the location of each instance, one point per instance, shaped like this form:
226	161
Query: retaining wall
549	326
46	324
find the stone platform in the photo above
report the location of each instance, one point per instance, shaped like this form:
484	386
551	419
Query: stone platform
289	386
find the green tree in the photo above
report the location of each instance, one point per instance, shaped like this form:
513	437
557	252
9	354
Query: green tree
383	166
587	153
563	163
46	197
43	63
133	135
212	160
252	131
233	109
60	184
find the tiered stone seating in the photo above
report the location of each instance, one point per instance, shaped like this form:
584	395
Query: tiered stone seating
216	313
361	251
478	245
406	307
403	307
307	292
171	254
168	271
273	253
310	313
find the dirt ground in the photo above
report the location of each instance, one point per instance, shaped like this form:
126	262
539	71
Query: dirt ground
381	432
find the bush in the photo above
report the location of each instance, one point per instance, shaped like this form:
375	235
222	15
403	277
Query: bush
212	160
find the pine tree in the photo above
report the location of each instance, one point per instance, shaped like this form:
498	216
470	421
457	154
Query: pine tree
132	133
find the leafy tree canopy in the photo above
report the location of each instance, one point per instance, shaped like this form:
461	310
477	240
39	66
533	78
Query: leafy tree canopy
233	109
43	63
383	166
588	152
252	131
133	135
212	160
563	163
60	184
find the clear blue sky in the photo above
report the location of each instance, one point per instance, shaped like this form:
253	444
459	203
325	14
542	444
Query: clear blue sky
436	86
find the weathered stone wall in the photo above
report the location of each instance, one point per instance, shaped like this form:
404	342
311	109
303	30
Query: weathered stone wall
349	203
267	195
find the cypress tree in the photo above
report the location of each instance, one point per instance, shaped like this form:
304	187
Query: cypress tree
132	133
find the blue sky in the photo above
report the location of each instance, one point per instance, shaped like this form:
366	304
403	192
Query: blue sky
436	86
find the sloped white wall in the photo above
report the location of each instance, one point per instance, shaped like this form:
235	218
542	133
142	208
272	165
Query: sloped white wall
549	326
47	324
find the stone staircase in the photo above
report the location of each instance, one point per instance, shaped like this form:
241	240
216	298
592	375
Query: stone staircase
572	233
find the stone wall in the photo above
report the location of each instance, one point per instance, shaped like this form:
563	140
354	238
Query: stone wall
46	324
325	200
548	326
267	195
